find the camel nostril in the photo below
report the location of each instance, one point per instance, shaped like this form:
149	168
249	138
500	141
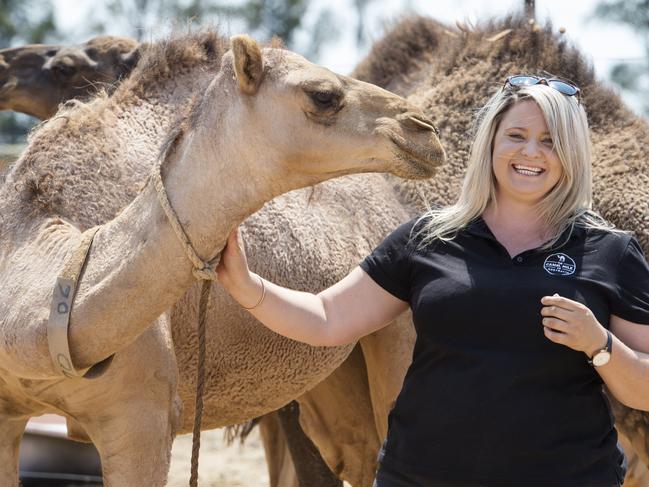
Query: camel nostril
422	123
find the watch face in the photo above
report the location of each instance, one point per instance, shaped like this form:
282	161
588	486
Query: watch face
601	358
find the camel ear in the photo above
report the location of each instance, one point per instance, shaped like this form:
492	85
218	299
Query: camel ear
129	59
248	63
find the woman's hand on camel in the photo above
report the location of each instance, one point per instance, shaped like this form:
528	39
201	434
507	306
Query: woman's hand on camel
232	271
572	324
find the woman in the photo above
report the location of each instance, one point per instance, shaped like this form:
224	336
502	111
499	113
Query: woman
524	302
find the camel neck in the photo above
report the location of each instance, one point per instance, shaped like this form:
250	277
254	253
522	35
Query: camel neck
139	250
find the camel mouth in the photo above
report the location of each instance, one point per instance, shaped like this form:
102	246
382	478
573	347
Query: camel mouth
425	158
8	86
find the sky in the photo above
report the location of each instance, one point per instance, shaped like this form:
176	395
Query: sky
603	43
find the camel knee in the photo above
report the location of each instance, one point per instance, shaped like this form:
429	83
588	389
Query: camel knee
135	446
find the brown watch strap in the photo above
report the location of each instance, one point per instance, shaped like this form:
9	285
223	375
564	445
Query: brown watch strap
607	348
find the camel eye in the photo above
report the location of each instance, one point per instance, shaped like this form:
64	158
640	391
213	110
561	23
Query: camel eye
325	99
63	69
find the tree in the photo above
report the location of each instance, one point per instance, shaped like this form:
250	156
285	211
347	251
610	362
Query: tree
529	8
272	17
630	75
142	17
20	22
261	18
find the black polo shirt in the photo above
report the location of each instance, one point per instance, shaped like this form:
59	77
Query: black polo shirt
488	399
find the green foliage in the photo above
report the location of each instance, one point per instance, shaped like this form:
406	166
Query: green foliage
634	13
325	29
630	76
263	19
26	21
143	17
272	17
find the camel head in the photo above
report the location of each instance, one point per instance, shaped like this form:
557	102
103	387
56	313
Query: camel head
35	79
302	123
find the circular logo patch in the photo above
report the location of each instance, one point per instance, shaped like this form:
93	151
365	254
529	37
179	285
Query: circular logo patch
559	265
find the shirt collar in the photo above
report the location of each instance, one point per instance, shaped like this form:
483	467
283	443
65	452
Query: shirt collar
478	227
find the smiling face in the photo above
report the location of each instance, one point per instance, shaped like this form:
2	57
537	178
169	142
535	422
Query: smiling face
525	165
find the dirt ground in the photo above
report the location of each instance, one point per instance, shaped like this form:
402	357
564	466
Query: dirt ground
220	464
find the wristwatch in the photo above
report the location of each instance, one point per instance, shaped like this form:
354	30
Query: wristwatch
601	357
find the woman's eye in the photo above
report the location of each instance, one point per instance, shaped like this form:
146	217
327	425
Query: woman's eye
548	142
516	136
324	99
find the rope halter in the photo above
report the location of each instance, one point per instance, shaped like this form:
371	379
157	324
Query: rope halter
202	270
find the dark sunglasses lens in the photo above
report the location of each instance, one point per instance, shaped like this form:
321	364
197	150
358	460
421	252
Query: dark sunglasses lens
523	80
563	87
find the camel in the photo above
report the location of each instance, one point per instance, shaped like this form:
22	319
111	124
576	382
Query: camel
34	79
28	95
316	236
231	129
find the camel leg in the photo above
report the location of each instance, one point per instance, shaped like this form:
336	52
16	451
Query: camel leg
387	354
292	458
337	415
131	413
281	471
11	431
637	473
135	449
632	425
309	465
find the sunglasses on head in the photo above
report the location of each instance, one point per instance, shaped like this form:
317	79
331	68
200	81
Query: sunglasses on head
560	85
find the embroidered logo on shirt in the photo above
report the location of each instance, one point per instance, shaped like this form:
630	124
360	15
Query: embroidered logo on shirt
559	265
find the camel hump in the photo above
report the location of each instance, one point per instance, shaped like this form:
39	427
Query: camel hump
248	63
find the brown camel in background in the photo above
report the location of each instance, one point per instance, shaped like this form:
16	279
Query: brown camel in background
255	124
34	79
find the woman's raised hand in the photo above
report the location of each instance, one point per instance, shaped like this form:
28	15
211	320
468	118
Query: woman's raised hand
572	324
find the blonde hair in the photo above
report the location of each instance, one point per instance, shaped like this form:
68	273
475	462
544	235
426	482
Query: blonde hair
568	203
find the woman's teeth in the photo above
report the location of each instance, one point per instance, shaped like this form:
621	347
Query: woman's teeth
527	170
